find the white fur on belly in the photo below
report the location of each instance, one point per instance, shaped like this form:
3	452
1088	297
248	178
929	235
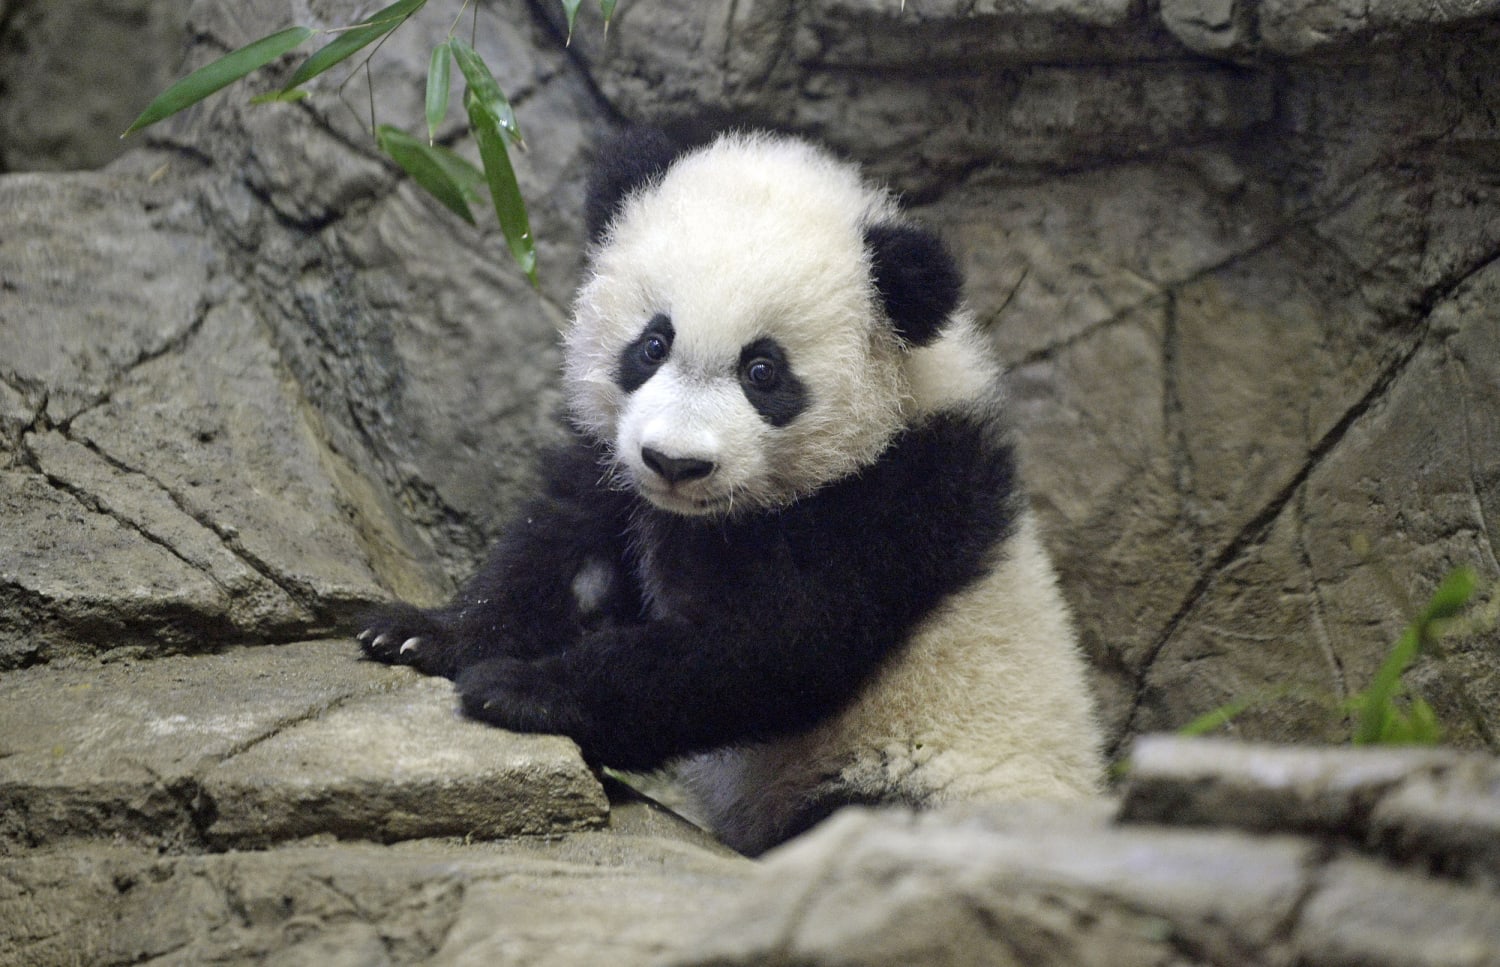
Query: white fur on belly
987	702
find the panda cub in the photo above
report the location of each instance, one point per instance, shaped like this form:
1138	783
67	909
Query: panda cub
786	547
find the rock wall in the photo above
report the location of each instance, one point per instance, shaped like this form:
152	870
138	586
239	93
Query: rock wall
1240	258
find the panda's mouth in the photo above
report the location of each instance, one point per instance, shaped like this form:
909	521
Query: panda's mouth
673	501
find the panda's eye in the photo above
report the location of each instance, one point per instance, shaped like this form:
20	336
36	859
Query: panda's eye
760	373
654	349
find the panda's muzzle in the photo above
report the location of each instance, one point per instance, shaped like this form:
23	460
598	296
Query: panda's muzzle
676	470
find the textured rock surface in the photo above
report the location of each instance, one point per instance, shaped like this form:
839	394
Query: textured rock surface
1029	885
1240	254
79	59
263	745
1247	306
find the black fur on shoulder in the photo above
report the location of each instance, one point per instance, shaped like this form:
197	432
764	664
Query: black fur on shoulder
624	162
917	278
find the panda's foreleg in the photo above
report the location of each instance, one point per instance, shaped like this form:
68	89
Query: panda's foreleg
558	570
638	696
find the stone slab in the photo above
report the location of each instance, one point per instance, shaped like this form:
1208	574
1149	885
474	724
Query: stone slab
259	745
1048	886
569	901
401	764
1203	781
1449	820
1362	914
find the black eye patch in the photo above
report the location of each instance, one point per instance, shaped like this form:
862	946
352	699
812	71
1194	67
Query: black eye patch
769	383
641	359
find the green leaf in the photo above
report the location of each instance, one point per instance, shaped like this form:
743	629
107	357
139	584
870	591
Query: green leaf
438	74
505	193
281	97
218	74
418	160
468	177
1425	728
1220	716
351	41
485	91
571	8
607	7
1375	705
1451	596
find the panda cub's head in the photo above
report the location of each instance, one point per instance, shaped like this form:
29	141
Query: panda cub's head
758	322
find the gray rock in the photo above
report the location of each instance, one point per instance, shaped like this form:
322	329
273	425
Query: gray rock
1291	28
1193	782
263	745
400	764
1047	889
68	72
1362	915
358	904
1449	820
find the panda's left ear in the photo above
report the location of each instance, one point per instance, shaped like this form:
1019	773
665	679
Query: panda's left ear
628	160
918	281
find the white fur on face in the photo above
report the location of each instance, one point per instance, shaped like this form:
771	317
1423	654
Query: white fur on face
749	238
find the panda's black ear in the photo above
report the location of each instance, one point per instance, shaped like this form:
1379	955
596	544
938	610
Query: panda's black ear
624	162
918	281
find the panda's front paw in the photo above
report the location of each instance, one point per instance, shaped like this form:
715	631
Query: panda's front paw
400	634
519	695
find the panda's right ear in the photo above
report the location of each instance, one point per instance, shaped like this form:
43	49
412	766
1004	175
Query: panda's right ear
625	161
917	279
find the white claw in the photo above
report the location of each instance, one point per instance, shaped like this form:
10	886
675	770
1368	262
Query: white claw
409	644
364	635
380	641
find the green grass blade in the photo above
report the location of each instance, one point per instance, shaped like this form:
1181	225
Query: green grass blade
1451	596
215	76
1220	716
1374	703
353	40
485	90
505	193
439	71
570	7
419	160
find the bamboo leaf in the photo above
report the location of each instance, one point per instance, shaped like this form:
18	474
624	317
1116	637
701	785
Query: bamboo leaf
217	75
439	72
505	193
418	160
281	97
485	91
607	7
351	41
571	8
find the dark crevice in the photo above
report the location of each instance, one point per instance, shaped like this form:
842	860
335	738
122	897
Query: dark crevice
304	597
96	505
176	345
1318	608
1253	532
1174	426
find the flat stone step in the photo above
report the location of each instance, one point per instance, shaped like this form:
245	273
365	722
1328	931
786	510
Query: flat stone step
262	745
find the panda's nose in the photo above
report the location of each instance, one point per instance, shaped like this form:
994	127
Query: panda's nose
676	469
